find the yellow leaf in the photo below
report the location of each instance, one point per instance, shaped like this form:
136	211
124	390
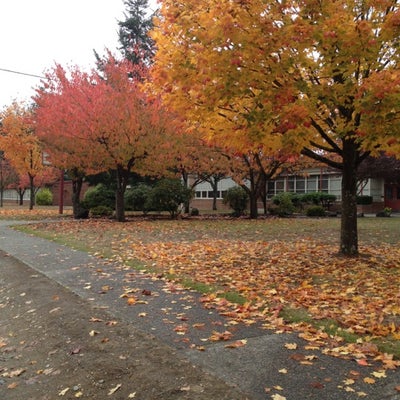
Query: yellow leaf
369	380
291	346
277	397
283	371
379	374
63	392
113	390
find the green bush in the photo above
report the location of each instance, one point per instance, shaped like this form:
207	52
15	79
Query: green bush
319	199
136	198
44	197
316	211
99	195
284	204
364	200
194	212
168	195
236	198
101	211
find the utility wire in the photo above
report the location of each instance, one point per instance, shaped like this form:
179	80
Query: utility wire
22	73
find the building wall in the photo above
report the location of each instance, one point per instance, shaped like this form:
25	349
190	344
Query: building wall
314	180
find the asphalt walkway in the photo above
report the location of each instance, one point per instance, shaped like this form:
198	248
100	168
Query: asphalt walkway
264	368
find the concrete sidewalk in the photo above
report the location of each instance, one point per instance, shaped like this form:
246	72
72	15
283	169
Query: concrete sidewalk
262	369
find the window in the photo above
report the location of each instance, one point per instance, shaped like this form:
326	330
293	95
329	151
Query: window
312	183
389	192
300	184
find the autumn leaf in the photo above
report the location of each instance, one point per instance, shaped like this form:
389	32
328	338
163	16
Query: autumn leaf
63	392
283	371
236	344
220	336
277	397
12	385
131	301
113	390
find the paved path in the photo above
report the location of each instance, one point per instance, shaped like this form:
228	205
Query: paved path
262	368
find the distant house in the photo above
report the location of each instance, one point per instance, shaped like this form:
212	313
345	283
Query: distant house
312	180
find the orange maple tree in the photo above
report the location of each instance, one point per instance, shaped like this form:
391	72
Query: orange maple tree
21	145
318	77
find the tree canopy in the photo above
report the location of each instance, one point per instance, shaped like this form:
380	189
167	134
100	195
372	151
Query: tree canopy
98	123
315	77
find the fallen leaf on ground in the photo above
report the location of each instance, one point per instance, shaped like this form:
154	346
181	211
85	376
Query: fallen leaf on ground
277	397
113	390
63	392
236	344
283	371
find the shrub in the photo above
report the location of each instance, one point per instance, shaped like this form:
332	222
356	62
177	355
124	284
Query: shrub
236	198
284	204
194	212
168	195
44	197
101	211
99	195
137	197
364	200
319	199
316	211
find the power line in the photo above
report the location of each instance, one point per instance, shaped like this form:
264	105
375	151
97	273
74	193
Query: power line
22	73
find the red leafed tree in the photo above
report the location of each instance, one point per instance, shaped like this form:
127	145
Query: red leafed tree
100	122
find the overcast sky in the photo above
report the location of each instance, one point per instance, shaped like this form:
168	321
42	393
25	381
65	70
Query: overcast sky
34	34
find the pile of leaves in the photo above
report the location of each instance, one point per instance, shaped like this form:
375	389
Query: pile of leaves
330	299
12	213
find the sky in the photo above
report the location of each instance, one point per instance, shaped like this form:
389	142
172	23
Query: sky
36	34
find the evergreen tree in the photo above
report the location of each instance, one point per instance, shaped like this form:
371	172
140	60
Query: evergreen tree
136	45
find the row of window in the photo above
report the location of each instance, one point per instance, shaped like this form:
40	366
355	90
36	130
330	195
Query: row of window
294	184
209	194
304	184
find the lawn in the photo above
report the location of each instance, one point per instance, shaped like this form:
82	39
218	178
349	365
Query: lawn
282	273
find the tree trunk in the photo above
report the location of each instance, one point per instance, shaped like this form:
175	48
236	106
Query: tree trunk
32	193
253	204
77	209
214	185
185	178
122	181
348	233
21	197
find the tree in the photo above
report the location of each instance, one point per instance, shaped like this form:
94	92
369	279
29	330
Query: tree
8	176
21	145
136	44
104	122
318	77
382	166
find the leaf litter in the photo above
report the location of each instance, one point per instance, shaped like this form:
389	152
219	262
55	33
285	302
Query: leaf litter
299	272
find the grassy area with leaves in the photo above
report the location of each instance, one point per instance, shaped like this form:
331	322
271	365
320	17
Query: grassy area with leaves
283	273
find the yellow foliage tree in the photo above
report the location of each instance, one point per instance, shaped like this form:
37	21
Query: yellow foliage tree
318	77
20	144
